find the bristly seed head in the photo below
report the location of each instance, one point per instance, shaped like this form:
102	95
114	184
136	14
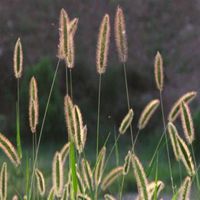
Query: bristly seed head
103	44
120	35
18	59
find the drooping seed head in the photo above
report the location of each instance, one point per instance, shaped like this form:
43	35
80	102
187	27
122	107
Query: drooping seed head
158	71
98	173
185	189
175	110
141	178
57	174
173	134
147	113
187	123
186	157
103	45
127	163
111	177
18	59
64	152
69	59
33	105
126	122
4	182
120	35
40	182
9	150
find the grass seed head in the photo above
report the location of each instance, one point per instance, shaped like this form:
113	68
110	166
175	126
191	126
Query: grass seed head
185	189
103	45
4	182
40	182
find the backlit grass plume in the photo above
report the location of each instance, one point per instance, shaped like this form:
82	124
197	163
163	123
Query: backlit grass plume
64	152
9	150
87	174
111	177
80	130
187	122
33	105
155	187
73	25
15	197
147	113
120	35
103	45
186	157
173	134
40	182
70	117
98	173
141	179
63	34
126	122
158	71
185	189
109	197
3	182
175	110
127	163
57	174
18	59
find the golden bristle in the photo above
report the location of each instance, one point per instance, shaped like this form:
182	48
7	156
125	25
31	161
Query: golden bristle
64	152
18	59
158	70
147	113
69	59
4	182
111	177
120	35
141	178
103	45
175	110
73	26
187	123
33	105
98	173
40	182
173	135
63	34
126	122
9	150
185	189
57	174
70	117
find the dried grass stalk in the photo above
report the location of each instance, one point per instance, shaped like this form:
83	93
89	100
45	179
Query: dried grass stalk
147	113
111	177
126	122
18	59
4	182
103	45
175	110
57	169
40	182
120	35
158	70
187	123
9	150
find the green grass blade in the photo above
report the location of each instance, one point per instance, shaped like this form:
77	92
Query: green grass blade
18	137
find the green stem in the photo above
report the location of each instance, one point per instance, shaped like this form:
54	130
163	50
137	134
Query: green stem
98	115
18	137
122	186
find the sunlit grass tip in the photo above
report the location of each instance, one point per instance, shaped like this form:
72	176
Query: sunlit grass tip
147	113
187	123
126	122
120	35
18	59
9	150
175	110
103	45
40	182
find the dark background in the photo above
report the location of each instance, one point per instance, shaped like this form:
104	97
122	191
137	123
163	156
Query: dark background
172	27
